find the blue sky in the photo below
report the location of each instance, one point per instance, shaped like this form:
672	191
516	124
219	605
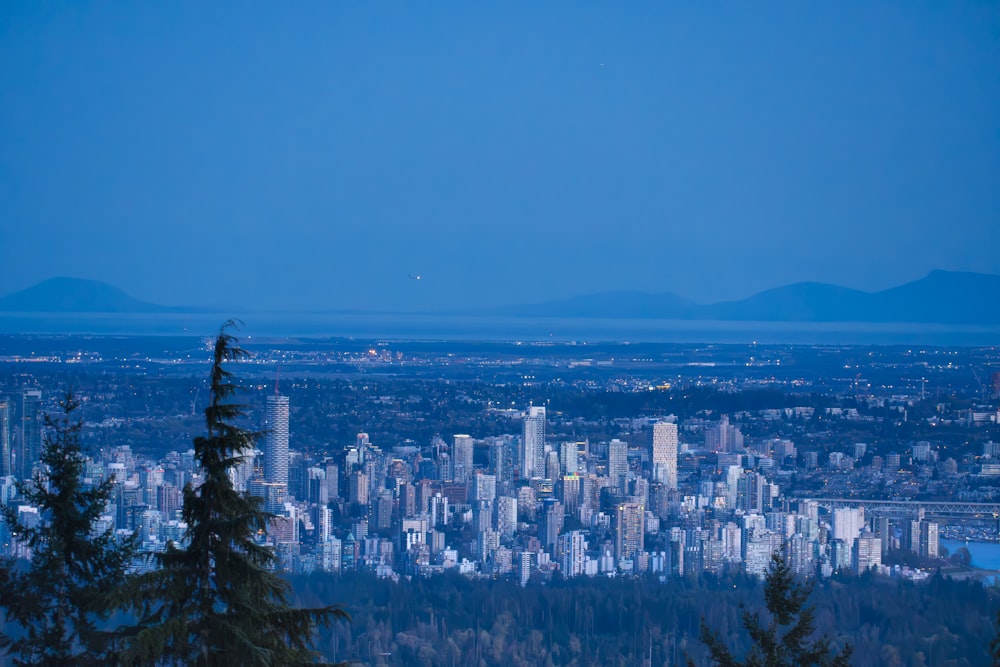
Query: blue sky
316	155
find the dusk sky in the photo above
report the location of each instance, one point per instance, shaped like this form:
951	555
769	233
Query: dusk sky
287	155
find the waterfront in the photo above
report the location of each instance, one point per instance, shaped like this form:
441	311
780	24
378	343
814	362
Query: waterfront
417	326
985	555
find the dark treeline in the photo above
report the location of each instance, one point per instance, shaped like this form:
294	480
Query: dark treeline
453	620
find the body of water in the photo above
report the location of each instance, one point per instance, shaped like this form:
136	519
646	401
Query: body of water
985	555
490	328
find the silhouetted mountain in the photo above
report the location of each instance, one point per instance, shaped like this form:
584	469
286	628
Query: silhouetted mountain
803	302
943	297
76	295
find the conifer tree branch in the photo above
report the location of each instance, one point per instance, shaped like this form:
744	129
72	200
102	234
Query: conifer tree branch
784	639
215	599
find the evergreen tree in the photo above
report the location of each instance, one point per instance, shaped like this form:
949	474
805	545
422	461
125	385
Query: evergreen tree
995	645
58	602
217	600
785	640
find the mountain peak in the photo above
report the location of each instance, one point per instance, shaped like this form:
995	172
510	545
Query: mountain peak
941	297
80	295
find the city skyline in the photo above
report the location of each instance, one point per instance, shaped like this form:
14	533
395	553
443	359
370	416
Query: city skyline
615	490
404	463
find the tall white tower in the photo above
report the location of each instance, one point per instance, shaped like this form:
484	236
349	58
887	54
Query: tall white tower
462	458
533	445
665	454
6	464
568	457
573	548
276	440
618	463
848	524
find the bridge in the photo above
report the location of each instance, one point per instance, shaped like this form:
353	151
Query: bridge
909	508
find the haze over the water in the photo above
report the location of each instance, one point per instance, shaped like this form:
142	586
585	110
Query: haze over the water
322	155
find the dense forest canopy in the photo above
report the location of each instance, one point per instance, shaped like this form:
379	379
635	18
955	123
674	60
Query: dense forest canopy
454	620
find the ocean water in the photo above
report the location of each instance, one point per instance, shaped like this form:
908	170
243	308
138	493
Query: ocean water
490	328
985	555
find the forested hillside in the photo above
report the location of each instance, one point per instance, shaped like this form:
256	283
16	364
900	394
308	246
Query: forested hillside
451	620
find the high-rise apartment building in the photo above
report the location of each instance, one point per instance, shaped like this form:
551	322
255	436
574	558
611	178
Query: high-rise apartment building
573	553
501	461
383	510
846	526
551	523
724	437
848	523
618	463
665	454
928	540
484	488
630	519
750	492
6	463
362	443
462	458
758	549
571	486
553	469
867	552
568	454
506	509
276	440
533	444
357	488
31	432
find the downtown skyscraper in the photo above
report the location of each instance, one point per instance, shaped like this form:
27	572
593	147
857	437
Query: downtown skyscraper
665	454
629	530
6	462
533	444
31	433
618	464
276	440
461	459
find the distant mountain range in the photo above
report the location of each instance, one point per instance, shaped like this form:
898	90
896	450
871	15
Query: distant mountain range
942	297
76	295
